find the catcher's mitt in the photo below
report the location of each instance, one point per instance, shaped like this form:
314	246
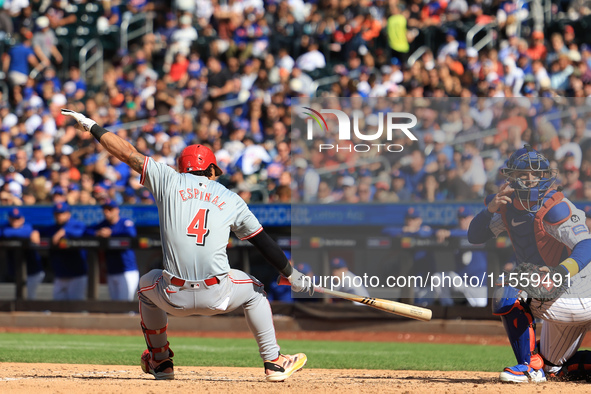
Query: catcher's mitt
539	282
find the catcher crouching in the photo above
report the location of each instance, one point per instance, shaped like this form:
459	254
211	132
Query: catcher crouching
552	282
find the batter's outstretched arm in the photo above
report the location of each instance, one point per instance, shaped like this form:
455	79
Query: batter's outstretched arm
114	144
120	148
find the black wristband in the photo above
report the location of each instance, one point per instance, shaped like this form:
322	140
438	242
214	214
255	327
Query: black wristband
97	132
272	253
287	271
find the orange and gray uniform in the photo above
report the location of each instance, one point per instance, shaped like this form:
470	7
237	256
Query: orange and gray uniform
196	217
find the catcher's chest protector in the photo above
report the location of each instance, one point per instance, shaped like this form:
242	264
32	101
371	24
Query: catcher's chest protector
551	250
530	240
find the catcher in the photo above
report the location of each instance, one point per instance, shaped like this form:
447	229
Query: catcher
550	237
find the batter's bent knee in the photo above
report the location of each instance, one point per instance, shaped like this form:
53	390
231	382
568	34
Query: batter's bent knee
149	278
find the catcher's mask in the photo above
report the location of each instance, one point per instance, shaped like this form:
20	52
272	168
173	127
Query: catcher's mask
197	158
531	190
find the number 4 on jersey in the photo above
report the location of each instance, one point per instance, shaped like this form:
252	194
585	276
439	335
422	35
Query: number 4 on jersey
198	227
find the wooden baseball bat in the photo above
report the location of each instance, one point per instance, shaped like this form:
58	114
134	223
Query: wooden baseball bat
397	308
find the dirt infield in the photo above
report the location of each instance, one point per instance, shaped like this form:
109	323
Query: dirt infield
89	379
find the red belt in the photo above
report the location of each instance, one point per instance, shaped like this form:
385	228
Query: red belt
181	282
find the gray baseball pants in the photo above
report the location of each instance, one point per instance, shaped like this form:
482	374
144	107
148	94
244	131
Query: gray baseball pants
158	296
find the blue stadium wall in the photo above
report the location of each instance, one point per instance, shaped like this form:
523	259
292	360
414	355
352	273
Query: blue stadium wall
279	215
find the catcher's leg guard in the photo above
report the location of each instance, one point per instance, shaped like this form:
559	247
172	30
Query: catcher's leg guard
520	326
578	367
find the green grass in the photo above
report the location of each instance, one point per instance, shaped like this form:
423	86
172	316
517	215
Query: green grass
125	350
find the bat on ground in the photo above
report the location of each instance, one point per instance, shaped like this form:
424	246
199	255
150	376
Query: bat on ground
397	308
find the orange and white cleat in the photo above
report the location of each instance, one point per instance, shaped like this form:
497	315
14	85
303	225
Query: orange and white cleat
284	366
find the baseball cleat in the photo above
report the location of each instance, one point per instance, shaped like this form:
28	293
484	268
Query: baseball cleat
162	370
522	373
282	368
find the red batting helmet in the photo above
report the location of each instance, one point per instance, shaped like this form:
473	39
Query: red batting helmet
197	158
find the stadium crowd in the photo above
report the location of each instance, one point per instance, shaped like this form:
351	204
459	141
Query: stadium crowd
225	72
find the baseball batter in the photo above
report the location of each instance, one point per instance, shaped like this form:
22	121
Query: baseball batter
196	216
547	230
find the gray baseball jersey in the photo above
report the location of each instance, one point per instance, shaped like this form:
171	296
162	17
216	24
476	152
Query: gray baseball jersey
196	217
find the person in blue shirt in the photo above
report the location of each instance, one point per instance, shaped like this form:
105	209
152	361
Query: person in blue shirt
17	64
122	273
17	228
414	172
470	261
69	265
423	260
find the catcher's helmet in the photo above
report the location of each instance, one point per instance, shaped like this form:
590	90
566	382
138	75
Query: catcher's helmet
197	158
530	192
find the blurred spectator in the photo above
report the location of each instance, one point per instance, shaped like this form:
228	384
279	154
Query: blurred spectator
514	76
364	192
414	172
398	34
423	261
253	158
17	62
17	228
348	281
399	188
45	43
122	272
450	47
469	263
472	172
349	190
568	148
325	195
307	181
558	48
538	50
184	36
69	265
572	187
382	193
312	59
429	189
569	36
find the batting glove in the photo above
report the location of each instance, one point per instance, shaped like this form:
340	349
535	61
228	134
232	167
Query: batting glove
82	120
301	283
